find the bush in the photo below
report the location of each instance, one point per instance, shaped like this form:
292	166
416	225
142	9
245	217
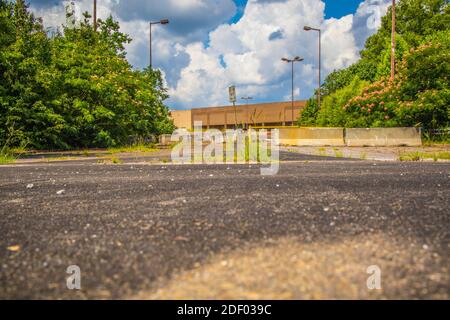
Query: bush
419	96
332	112
76	89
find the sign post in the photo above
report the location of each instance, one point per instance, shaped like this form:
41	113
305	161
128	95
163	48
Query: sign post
232	95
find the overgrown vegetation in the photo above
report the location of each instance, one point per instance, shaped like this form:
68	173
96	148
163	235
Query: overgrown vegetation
134	148
6	157
418	156
74	89
363	95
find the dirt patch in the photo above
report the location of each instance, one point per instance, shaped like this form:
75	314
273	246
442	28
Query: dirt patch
288	269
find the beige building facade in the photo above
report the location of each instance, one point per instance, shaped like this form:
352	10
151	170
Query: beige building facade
262	114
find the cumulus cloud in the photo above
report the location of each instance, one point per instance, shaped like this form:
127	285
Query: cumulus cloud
268	30
202	54
189	19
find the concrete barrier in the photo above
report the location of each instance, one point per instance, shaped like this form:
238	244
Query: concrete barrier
312	136
382	137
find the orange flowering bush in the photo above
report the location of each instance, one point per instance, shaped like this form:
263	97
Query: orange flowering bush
419	96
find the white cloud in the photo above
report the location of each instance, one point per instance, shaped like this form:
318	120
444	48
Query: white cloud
251	50
201	55
338	43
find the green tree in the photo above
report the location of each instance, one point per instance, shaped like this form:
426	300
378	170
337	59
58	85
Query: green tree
415	19
419	95
75	89
25	54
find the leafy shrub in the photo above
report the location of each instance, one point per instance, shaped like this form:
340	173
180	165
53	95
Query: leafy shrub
419	96
75	89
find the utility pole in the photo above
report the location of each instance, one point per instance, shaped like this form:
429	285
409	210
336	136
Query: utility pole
95	15
151	61
393	43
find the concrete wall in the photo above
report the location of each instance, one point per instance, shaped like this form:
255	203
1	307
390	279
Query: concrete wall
312	136
278	113
357	137
375	137
182	118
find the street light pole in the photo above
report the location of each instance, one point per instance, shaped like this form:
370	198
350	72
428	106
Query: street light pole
163	21
306	28
247	99
292	61
393	43
292	91
320	68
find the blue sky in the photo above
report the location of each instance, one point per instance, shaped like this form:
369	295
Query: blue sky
340	8
333	8
211	44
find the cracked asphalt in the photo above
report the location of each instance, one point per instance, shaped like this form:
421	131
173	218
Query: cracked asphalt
157	231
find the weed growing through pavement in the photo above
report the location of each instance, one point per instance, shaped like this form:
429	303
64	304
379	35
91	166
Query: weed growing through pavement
338	154
134	148
418	156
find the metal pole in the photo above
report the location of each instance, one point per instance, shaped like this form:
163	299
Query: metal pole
95	15
151	66
393	43
320	65
292	102
235	115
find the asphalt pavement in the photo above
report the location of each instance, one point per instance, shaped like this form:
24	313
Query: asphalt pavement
157	231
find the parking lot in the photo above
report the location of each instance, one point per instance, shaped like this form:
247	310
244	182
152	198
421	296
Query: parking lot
144	230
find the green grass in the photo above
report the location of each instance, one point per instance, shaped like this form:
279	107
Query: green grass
116	160
338	154
436	140
133	148
6	158
7	155
60	159
110	160
418	156
322	152
18	151
428	142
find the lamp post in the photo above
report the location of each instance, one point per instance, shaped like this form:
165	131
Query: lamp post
292	61
163	21
306	28
247	99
